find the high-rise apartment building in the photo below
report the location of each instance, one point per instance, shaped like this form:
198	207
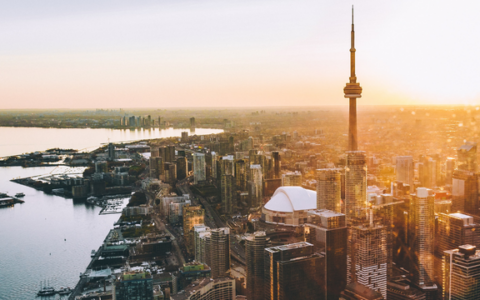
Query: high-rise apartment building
156	167
162	152
292	179
422	239
355	185
214	164
454	230
218	251
199	172
450	165
277	164
368	256
212	246
192	215
241	175
192	122
200	233
292	272
467	157
327	231
461	273
227	193
170	170
329	189
255	245
154	152
256	186
465	192
182	167
428	171
184	136
111	151
170	153
405	170
227	165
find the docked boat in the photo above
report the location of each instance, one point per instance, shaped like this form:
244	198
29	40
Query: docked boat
92	199
19	195
64	291
46	291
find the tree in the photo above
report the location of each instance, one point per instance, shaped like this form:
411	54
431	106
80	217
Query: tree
137	199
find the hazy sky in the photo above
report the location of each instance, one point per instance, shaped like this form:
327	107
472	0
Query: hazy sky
180	53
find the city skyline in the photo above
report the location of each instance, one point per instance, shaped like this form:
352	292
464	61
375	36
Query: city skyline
217	54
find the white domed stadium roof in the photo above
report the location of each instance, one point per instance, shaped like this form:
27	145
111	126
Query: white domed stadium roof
292	198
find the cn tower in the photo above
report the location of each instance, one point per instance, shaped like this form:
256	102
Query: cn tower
352	91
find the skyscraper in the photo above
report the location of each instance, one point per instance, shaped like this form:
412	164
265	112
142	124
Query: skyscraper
352	91
405	170
368	256
422	239
111	151
192	215
214	164
199	167
464	192
227	186
241	175
277	164
292	272
449	167
355	185
170	153
461	276
256	186
218	251
467	157
182	167
327	231
329	189
454	230
255	245
227	166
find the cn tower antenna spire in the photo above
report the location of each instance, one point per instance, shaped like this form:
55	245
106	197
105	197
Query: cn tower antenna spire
352	91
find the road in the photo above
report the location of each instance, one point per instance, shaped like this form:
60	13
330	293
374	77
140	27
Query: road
161	227
212	219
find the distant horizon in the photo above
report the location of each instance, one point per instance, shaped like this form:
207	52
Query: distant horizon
337	106
228	54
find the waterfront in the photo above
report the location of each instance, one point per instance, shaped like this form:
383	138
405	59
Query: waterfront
46	238
18	140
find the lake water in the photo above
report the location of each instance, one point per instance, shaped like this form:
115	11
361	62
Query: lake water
32	237
18	140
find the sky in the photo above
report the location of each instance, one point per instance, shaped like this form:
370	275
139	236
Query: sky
235	53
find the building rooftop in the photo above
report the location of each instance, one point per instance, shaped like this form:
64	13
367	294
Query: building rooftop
288	247
195	286
460	216
292	198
